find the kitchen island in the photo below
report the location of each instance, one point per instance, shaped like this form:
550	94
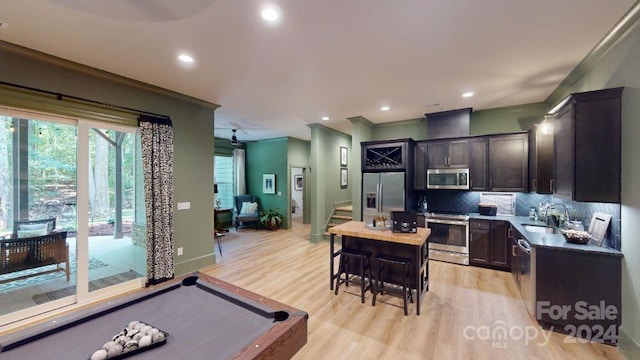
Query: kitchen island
411	245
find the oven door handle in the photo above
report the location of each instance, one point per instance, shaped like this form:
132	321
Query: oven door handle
448	222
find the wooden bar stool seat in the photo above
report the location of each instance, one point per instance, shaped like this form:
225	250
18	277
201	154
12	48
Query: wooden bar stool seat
383	260
363	258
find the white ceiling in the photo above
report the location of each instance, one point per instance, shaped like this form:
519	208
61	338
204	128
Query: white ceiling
336	58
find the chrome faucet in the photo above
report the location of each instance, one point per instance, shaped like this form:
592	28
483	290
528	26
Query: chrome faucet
566	213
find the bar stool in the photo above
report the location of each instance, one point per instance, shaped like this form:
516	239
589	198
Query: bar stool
405	263
361	256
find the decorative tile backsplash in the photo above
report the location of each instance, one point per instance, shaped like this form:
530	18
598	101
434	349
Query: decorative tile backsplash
467	202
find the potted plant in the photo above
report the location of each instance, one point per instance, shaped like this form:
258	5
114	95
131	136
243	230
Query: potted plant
271	219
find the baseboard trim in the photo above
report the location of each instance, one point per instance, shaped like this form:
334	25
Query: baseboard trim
628	346
194	264
316	237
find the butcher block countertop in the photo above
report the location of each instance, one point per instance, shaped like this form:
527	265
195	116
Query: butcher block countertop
358	229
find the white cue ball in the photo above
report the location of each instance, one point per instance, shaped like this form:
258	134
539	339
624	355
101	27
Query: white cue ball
99	355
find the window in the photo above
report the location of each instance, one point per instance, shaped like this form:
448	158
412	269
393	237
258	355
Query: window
223	171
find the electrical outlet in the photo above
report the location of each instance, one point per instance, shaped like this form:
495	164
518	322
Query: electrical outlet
180	251
184	205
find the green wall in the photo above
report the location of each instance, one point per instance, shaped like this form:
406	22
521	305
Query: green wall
193	134
414	128
325	175
507	119
361	130
482	122
269	157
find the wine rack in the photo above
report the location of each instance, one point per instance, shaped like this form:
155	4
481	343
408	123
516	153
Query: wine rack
384	157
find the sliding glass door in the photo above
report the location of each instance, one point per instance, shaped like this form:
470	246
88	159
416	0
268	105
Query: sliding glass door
37	182
117	250
84	176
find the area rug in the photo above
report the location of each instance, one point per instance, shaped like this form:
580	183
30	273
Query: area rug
93	264
93	285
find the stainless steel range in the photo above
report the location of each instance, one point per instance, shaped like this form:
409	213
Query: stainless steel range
449	239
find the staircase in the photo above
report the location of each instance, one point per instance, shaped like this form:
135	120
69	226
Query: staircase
340	214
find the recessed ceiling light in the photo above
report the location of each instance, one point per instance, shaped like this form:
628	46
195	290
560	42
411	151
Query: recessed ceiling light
185	58
385	108
269	14
468	94
325	118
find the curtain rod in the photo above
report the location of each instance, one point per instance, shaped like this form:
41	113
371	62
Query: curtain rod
61	97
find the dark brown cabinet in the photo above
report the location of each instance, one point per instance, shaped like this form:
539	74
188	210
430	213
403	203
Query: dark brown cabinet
489	244
420	166
587	286
508	162
223	219
587	137
479	241
448	154
541	158
387	155
479	164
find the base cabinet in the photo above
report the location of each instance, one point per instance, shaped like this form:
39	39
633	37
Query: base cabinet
489	244
579	293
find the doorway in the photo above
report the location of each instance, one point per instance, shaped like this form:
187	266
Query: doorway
297	194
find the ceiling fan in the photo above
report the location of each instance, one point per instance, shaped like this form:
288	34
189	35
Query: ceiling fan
234	139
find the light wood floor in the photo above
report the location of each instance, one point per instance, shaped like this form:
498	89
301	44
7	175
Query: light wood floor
463	303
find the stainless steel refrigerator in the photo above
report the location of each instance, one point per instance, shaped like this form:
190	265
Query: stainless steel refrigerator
382	192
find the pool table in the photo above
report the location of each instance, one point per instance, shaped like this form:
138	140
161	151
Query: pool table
204	317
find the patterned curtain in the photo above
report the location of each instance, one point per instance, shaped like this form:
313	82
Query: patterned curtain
156	136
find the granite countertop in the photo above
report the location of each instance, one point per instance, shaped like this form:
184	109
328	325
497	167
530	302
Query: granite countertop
555	241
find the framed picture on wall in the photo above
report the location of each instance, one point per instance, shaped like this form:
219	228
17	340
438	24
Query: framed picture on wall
344	156
343	178
297	182
269	183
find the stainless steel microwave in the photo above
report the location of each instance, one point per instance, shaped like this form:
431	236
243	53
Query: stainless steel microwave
453	179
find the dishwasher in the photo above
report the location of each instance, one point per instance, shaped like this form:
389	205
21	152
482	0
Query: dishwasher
527	275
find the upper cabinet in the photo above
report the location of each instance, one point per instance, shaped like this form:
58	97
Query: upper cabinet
499	163
541	158
508	162
587	139
420	166
479	164
448	154
387	155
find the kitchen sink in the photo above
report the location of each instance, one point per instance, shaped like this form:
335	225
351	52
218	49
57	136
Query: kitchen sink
541	229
